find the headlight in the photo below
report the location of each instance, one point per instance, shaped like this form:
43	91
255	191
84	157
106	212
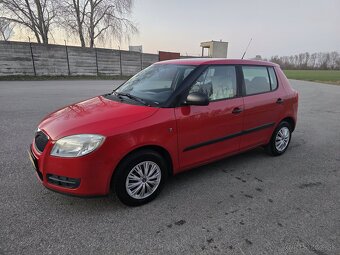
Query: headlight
76	145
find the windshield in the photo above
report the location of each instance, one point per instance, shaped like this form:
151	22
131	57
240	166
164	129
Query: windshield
156	83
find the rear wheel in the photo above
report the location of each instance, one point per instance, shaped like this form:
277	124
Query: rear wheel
140	177
280	139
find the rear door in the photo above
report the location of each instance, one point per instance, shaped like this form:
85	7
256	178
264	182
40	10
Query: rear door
263	105
208	132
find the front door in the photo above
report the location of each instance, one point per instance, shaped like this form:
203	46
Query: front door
209	132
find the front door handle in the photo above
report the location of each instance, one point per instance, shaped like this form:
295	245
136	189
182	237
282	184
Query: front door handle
237	110
279	101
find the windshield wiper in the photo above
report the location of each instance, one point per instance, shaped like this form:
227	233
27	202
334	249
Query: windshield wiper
131	97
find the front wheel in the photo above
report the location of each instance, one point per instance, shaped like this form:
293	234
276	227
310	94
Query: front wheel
140	177
280	139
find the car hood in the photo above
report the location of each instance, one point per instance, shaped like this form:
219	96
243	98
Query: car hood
97	115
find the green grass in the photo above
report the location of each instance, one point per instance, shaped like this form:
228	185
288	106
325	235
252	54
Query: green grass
324	76
46	78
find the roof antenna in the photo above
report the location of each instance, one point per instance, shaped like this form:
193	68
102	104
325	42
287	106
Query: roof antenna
246	48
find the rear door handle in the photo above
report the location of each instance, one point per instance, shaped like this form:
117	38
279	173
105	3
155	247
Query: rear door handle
279	101
237	110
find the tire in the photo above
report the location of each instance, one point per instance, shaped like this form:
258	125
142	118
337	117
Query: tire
282	133
128	174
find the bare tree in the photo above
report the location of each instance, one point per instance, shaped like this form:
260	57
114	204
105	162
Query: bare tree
97	19
36	15
323	60
312	61
319	60
73	18
6	29
334	58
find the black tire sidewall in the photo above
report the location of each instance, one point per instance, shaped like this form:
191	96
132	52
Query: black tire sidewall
125	167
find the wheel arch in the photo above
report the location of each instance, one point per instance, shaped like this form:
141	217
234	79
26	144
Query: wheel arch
291	122
159	149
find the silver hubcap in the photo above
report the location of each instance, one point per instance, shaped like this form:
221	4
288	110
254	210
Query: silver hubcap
282	139
143	179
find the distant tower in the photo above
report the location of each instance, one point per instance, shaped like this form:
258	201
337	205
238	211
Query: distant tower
138	48
216	49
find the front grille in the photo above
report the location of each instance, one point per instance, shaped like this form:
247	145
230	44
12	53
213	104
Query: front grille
63	181
40	140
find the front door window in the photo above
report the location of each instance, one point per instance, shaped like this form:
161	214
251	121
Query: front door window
217	82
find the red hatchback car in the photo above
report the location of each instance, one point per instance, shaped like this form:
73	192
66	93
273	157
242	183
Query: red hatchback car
170	117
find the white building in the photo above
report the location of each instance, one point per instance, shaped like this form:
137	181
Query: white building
216	49
138	48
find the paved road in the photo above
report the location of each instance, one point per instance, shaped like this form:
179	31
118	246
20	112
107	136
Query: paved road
246	204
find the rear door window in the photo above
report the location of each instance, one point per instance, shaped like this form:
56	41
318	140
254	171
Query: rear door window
256	79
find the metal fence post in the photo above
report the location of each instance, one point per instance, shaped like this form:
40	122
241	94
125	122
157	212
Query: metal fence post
68	61
35	72
120	62
95	50
141	60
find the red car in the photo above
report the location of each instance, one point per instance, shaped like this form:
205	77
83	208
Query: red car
170	117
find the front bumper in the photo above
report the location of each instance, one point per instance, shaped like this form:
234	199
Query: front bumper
88	175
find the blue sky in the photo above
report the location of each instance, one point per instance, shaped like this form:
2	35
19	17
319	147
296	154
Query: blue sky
277	27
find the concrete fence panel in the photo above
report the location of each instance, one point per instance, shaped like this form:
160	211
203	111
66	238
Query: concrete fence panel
131	62
82	61
108	62
50	59
149	59
15	59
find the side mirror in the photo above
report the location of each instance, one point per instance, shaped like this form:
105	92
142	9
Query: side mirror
197	98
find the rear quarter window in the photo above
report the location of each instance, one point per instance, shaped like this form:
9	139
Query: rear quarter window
273	79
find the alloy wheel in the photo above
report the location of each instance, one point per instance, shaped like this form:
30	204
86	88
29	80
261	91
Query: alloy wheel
282	139
143	179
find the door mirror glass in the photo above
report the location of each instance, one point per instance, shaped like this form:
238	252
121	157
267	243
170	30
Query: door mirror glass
197	98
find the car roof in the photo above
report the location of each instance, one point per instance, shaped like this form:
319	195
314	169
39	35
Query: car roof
216	61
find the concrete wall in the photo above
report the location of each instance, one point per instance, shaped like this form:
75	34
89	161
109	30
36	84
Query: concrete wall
17	58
